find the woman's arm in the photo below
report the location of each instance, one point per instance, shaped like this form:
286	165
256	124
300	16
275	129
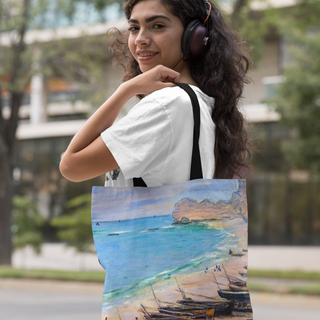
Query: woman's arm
87	156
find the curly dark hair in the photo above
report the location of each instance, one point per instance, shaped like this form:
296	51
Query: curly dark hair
220	73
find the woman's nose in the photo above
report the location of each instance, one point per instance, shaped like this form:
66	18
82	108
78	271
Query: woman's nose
142	38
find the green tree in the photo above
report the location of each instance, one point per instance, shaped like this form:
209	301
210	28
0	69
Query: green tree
297	28
75	226
299	100
299	103
12	65
71	59
27	223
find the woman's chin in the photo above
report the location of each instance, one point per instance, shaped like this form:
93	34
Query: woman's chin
145	68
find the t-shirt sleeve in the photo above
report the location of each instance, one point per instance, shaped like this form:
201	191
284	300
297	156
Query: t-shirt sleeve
140	141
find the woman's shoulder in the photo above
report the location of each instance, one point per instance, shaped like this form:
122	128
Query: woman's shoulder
176	94
167	95
159	102
170	101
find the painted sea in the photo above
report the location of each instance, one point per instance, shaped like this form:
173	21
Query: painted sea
173	252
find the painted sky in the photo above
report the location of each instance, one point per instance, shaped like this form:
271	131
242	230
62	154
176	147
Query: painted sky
111	204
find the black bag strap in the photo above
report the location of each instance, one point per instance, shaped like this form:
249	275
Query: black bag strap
196	167
139	182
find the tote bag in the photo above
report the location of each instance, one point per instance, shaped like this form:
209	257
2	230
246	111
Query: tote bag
175	251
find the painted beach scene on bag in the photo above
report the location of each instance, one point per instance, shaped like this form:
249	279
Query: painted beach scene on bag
173	252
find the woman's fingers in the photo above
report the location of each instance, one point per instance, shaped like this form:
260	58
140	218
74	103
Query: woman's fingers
168	75
154	79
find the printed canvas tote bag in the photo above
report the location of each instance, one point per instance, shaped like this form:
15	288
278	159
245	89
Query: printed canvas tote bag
176	251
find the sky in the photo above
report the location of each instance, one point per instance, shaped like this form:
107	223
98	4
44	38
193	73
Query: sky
112	204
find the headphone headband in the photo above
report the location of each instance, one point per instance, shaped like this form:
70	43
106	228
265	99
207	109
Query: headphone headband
208	11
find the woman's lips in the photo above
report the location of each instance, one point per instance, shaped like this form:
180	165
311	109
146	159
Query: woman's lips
146	56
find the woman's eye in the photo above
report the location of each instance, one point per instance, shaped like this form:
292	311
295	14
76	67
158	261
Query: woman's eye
131	29
158	26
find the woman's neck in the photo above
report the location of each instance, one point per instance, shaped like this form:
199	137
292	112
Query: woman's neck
185	74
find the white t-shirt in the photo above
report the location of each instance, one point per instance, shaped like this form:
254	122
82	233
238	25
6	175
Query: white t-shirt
154	140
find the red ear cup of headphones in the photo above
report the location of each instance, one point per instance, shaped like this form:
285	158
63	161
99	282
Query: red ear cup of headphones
194	39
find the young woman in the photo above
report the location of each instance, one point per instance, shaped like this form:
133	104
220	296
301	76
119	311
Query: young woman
154	141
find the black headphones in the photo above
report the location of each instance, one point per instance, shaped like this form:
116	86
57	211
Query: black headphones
194	38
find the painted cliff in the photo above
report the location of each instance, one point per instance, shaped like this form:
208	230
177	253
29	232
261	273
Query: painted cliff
190	210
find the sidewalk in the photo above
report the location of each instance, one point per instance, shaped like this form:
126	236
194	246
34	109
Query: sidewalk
284	258
60	257
55	256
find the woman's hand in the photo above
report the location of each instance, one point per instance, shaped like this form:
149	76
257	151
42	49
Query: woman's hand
154	79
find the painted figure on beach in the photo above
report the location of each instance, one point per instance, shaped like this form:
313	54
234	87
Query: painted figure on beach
179	253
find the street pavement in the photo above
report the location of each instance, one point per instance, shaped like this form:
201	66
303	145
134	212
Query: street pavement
22	299
54	300
285	307
30	305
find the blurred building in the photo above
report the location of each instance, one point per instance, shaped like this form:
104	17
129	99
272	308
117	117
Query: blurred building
51	115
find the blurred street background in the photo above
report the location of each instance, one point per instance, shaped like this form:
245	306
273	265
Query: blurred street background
56	69
273	296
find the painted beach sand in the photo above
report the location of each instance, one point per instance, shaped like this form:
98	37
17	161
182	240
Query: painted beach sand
173	252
